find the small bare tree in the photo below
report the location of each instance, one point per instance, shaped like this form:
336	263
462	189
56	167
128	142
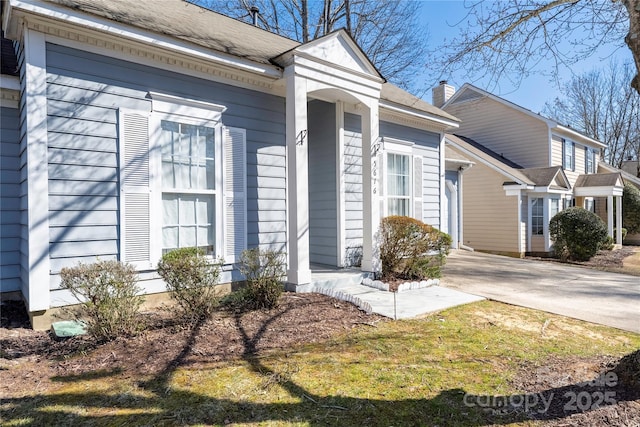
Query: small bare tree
507	39
601	104
387	31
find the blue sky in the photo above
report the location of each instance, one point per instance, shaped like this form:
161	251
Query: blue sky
440	16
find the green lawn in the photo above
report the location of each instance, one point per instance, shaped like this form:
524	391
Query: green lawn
400	373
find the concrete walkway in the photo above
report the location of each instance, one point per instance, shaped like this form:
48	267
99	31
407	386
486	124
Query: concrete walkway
606	298
402	305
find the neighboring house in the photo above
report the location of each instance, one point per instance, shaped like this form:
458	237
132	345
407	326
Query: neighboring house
138	127
527	168
627	178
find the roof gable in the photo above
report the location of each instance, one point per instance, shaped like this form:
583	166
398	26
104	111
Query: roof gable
600	180
338	49
551	177
470	92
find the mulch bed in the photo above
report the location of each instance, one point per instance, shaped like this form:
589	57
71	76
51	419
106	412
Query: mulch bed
32	361
27	355
603	260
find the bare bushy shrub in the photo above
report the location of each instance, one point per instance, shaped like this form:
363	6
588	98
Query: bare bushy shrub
411	249
264	271
108	296
191	278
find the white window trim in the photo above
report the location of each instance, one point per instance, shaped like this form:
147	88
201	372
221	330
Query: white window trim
186	107
193	112
546	217
572	166
403	148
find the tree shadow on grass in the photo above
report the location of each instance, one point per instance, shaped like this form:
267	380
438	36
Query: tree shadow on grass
157	402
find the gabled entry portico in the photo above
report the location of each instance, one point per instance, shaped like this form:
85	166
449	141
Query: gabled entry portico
333	69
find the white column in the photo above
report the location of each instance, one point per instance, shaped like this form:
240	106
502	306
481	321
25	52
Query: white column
34	84
340	185
618	220
297	179
371	176
610	215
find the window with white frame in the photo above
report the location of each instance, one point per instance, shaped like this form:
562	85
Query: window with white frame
182	180
590	204
189	188
554	207
568	202
398	184
537	216
568	155
590	160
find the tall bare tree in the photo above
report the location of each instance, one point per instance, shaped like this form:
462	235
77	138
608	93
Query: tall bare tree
601	104
507	39
387	31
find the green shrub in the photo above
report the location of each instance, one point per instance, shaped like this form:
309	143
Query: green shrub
108	296
411	249
577	234
264	271
608	244
631	208
191	278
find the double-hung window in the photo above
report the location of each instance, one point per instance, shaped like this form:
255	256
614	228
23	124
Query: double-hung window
189	188
537	216
590	160
398	184
568	155
182	181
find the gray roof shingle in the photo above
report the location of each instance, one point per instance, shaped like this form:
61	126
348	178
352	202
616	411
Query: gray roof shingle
598	180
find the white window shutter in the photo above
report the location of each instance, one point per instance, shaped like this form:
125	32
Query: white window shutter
235	193
135	244
417	187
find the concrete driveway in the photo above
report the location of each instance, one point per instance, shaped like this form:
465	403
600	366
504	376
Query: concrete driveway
606	298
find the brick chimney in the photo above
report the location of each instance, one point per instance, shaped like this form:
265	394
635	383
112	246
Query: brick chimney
441	93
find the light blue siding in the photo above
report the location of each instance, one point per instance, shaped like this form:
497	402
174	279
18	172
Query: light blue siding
352	173
427	145
22	179
9	200
84	92
323	220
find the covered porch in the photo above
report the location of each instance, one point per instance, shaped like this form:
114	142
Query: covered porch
334	71
607	188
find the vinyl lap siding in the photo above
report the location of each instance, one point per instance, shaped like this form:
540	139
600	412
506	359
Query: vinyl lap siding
490	217
323	220
352	172
9	200
427	145
85	91
514	134
24	214
556	155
